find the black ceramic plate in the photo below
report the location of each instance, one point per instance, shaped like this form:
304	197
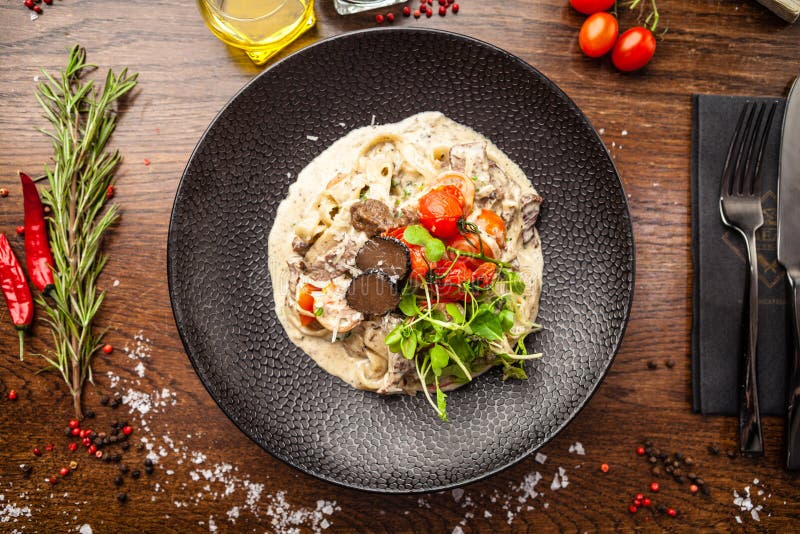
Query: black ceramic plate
222	294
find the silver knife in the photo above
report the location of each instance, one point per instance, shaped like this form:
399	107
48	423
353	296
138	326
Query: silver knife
789	257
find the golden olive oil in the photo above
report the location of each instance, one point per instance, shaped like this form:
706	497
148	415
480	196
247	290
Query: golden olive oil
259	27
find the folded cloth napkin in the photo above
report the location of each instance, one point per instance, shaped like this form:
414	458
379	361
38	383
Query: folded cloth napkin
719	269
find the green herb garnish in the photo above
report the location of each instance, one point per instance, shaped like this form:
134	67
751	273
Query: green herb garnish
418	235
457	340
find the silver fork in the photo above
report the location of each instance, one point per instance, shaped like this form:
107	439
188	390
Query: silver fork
740	206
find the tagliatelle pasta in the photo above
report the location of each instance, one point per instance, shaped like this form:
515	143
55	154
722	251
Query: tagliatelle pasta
370	183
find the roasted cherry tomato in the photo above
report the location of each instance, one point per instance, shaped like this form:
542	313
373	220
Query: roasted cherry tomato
634	49
598	34
440	210
587	7
306	303
474	244
463	183
492	224
456	274
419	263
484	274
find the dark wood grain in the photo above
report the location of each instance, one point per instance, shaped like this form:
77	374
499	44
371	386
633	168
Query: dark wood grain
186	75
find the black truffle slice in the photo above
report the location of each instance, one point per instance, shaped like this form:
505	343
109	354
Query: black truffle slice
386	254
373	293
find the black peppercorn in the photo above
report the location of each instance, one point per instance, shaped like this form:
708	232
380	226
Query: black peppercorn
122	497
90	414
678	456
135	474
661	508
68	432
652	365
26	469
670	363
125	446
123	468
148	462
118	481
149	470
713	450
104	400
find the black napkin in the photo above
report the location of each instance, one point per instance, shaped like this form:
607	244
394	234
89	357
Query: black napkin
720	263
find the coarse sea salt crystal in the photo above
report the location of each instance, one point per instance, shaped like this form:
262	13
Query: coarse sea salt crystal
140	369
528	486
577	448
540	458
624	132
560	480
233	514
85	529
457	494
738	519
458	530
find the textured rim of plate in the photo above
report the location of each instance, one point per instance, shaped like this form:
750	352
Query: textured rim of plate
535	72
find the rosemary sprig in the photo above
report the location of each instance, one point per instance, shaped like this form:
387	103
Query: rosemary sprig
83	119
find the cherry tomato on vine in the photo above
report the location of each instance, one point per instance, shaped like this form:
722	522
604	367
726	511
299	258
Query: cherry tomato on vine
484	274
598	34
450	288
634	49
493	225
306	303
587	7
474	244
440	211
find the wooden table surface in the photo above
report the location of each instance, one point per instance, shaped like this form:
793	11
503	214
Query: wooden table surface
210	476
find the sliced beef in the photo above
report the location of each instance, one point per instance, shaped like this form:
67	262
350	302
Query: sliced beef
371	216
300	246
406	217
470	158
386	254
373	293
529	205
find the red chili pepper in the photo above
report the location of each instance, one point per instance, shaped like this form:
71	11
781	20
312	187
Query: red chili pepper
37	249
16	290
